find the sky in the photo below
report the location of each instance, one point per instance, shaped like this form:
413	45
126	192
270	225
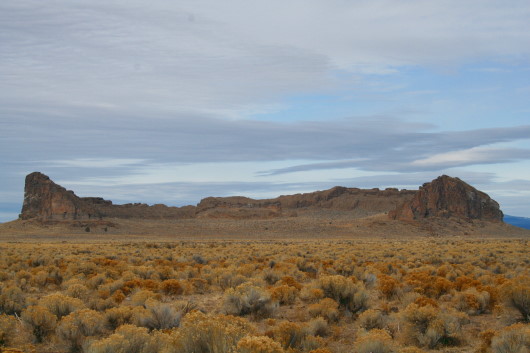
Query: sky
173	101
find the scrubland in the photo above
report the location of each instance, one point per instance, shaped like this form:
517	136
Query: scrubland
359	295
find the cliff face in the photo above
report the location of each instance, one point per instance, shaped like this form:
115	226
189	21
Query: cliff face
443	197
43	199
449	197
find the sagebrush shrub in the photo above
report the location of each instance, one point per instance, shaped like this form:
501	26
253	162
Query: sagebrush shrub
472	302
160	316
77	326
517	295
129	339
209	333
427	326
115	317
171	287
289	334
326	308
247	299
371	319
61	305
388	286
258	344
375	341
7	329
350	295
40	321
12	300
512	339
318	327
284	294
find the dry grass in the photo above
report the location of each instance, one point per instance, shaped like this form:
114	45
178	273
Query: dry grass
265	296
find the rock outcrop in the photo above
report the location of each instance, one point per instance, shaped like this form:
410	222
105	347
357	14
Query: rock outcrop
447	197
443	197
43	199
46	200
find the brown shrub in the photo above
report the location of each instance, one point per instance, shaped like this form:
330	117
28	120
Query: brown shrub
375	341
171	287
310	294
208	333
388	286
428	326
424	301
61	305
289	334
77	326
512	339
291	282
7	329
432	286
12	301
160	316
517	295
371	319
247	299
472	302
318	327
77	290
349	295
326	308
40	321
129	339
283	294
115	317
258	344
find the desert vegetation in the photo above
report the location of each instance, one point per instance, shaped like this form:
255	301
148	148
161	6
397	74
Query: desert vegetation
328	296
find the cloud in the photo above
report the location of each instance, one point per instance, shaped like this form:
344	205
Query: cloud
472	156
92	163
103	92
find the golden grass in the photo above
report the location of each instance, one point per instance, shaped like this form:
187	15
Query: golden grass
331	295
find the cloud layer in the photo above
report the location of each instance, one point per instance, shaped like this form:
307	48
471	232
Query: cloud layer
190	99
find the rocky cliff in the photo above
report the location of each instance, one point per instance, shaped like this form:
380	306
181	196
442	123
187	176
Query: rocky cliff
443	197
447	197
45	200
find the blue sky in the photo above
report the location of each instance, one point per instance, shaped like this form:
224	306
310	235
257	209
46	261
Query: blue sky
173	101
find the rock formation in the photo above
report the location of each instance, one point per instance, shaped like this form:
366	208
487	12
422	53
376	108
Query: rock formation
43	199
449	197
443	197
